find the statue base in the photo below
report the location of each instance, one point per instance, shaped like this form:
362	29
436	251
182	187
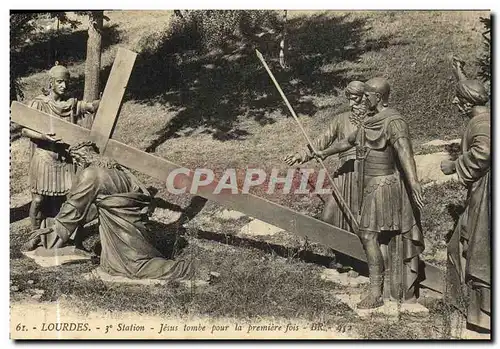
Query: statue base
99	274
390	308
344	279
54	257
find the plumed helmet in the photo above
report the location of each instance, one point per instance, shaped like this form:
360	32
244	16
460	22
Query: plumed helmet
59	71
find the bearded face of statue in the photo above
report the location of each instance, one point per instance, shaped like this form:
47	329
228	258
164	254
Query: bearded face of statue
354	99
87	155
355	102
371	101
84	158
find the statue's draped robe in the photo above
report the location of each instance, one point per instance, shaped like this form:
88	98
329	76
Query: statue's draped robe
51	172
387	207
469	249
345	177
122	208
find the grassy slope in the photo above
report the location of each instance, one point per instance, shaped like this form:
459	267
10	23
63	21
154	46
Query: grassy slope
289	287
414	58
253	285
414	53
410	48
418	70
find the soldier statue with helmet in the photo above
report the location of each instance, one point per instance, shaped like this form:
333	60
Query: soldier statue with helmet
389	210
51	170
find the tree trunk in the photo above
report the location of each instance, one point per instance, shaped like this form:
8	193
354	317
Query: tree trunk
93	62
283	44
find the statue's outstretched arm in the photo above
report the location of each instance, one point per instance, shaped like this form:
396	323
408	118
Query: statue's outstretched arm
458	68
34	135
339	147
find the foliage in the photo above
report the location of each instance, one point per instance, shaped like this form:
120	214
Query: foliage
218	29
485	59
21	25
443	204
24	27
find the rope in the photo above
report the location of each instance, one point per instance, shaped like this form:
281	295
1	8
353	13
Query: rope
283	42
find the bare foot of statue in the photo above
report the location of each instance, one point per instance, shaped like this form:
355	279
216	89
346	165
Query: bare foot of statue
31	244
411	300
35	239
194	283
202	281
371	301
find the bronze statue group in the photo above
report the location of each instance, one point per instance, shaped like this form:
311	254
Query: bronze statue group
377	178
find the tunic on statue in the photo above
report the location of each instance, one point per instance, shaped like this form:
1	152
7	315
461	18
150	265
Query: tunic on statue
387	206
469	248
345	177
51	171
122	205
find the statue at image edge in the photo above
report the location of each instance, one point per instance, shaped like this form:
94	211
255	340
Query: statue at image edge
469	248
51	171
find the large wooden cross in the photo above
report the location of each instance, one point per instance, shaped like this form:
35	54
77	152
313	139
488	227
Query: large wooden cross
102	130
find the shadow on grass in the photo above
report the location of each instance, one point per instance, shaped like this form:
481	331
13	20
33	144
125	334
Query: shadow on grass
288	252
45	48
455	211
15	132
212	89
17	239
66	46
20	212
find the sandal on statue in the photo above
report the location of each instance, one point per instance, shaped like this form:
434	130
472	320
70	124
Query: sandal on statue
30	245
370	302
